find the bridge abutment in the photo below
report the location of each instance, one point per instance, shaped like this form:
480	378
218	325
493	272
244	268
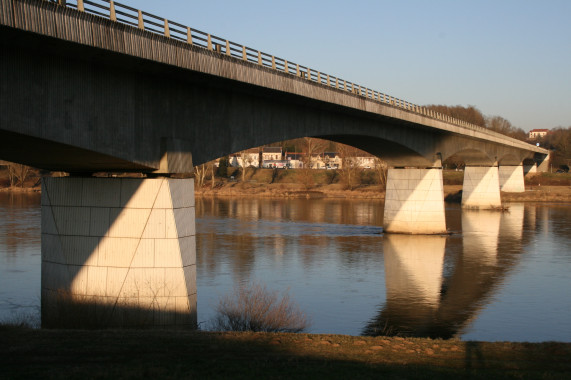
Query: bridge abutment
414	201
511	179
118	252
481	188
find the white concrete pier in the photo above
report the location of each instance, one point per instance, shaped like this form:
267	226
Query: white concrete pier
511	179
481	188
414	202
118	252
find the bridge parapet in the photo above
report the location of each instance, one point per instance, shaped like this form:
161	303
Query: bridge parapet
145	21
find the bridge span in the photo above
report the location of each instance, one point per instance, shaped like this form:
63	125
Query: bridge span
96	86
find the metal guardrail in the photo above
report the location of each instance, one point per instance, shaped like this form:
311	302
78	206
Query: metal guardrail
125	14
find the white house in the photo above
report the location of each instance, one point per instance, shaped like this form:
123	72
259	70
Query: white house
538	133
246	158
332	160
271	153
294	160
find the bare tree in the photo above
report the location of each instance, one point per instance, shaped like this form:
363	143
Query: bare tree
18	174
247	160
199	175
312	146
201	171
381	168
212	173
499	124
350	169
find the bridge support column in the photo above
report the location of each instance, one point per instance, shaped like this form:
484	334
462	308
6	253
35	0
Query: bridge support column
414	202
118	252
481	188
511	179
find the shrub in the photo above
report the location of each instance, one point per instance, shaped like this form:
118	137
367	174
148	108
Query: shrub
254	308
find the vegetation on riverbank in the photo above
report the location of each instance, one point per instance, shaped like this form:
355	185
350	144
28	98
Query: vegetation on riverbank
77	354
368	184
555	187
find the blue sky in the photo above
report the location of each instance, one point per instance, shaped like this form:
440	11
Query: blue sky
506	57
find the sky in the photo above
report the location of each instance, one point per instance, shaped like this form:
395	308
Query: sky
508	58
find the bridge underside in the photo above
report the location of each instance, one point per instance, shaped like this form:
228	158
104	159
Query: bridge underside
96	108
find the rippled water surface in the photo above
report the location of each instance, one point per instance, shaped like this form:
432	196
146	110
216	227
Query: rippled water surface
497	276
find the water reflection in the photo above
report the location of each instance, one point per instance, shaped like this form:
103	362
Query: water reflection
422	300
413	277
18	225
500	275
19	255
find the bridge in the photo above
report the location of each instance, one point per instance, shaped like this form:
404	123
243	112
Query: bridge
96	86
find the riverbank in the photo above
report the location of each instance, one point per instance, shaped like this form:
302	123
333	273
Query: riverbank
268	183
540	187
452	193
61	354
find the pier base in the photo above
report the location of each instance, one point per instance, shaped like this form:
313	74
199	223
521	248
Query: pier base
414	202
118	252
481	189
511	179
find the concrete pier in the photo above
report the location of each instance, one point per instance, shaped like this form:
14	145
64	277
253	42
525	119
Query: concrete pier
414	202
511	179
481	188
118	252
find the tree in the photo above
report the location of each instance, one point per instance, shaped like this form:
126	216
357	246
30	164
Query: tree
381	169
469	114
247	160
199	175
350	166
18	174
499	124
558	140
312	146
200	172
223	167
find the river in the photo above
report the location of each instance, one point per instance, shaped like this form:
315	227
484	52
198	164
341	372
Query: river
498	276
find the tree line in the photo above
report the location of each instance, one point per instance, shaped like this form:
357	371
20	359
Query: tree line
473	115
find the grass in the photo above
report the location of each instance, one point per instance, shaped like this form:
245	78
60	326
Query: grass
77	354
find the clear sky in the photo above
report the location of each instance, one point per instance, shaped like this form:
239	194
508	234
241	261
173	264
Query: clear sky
510	58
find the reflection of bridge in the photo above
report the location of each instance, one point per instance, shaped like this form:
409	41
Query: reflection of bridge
423	300
105	87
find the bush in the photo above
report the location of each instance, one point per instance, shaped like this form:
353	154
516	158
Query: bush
254	308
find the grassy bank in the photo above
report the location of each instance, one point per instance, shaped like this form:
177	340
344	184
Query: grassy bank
540	187
57	354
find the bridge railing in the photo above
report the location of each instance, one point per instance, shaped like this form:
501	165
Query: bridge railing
145	21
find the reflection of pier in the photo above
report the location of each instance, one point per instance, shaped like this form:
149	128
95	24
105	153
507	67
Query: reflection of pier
426	299
413	280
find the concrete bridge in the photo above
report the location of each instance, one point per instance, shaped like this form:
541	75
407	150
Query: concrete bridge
96	86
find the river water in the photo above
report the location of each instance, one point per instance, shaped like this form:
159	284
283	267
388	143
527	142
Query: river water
499	276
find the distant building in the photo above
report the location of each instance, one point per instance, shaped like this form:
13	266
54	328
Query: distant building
248	158
538	133
271	153
275	164
294	160
332	160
